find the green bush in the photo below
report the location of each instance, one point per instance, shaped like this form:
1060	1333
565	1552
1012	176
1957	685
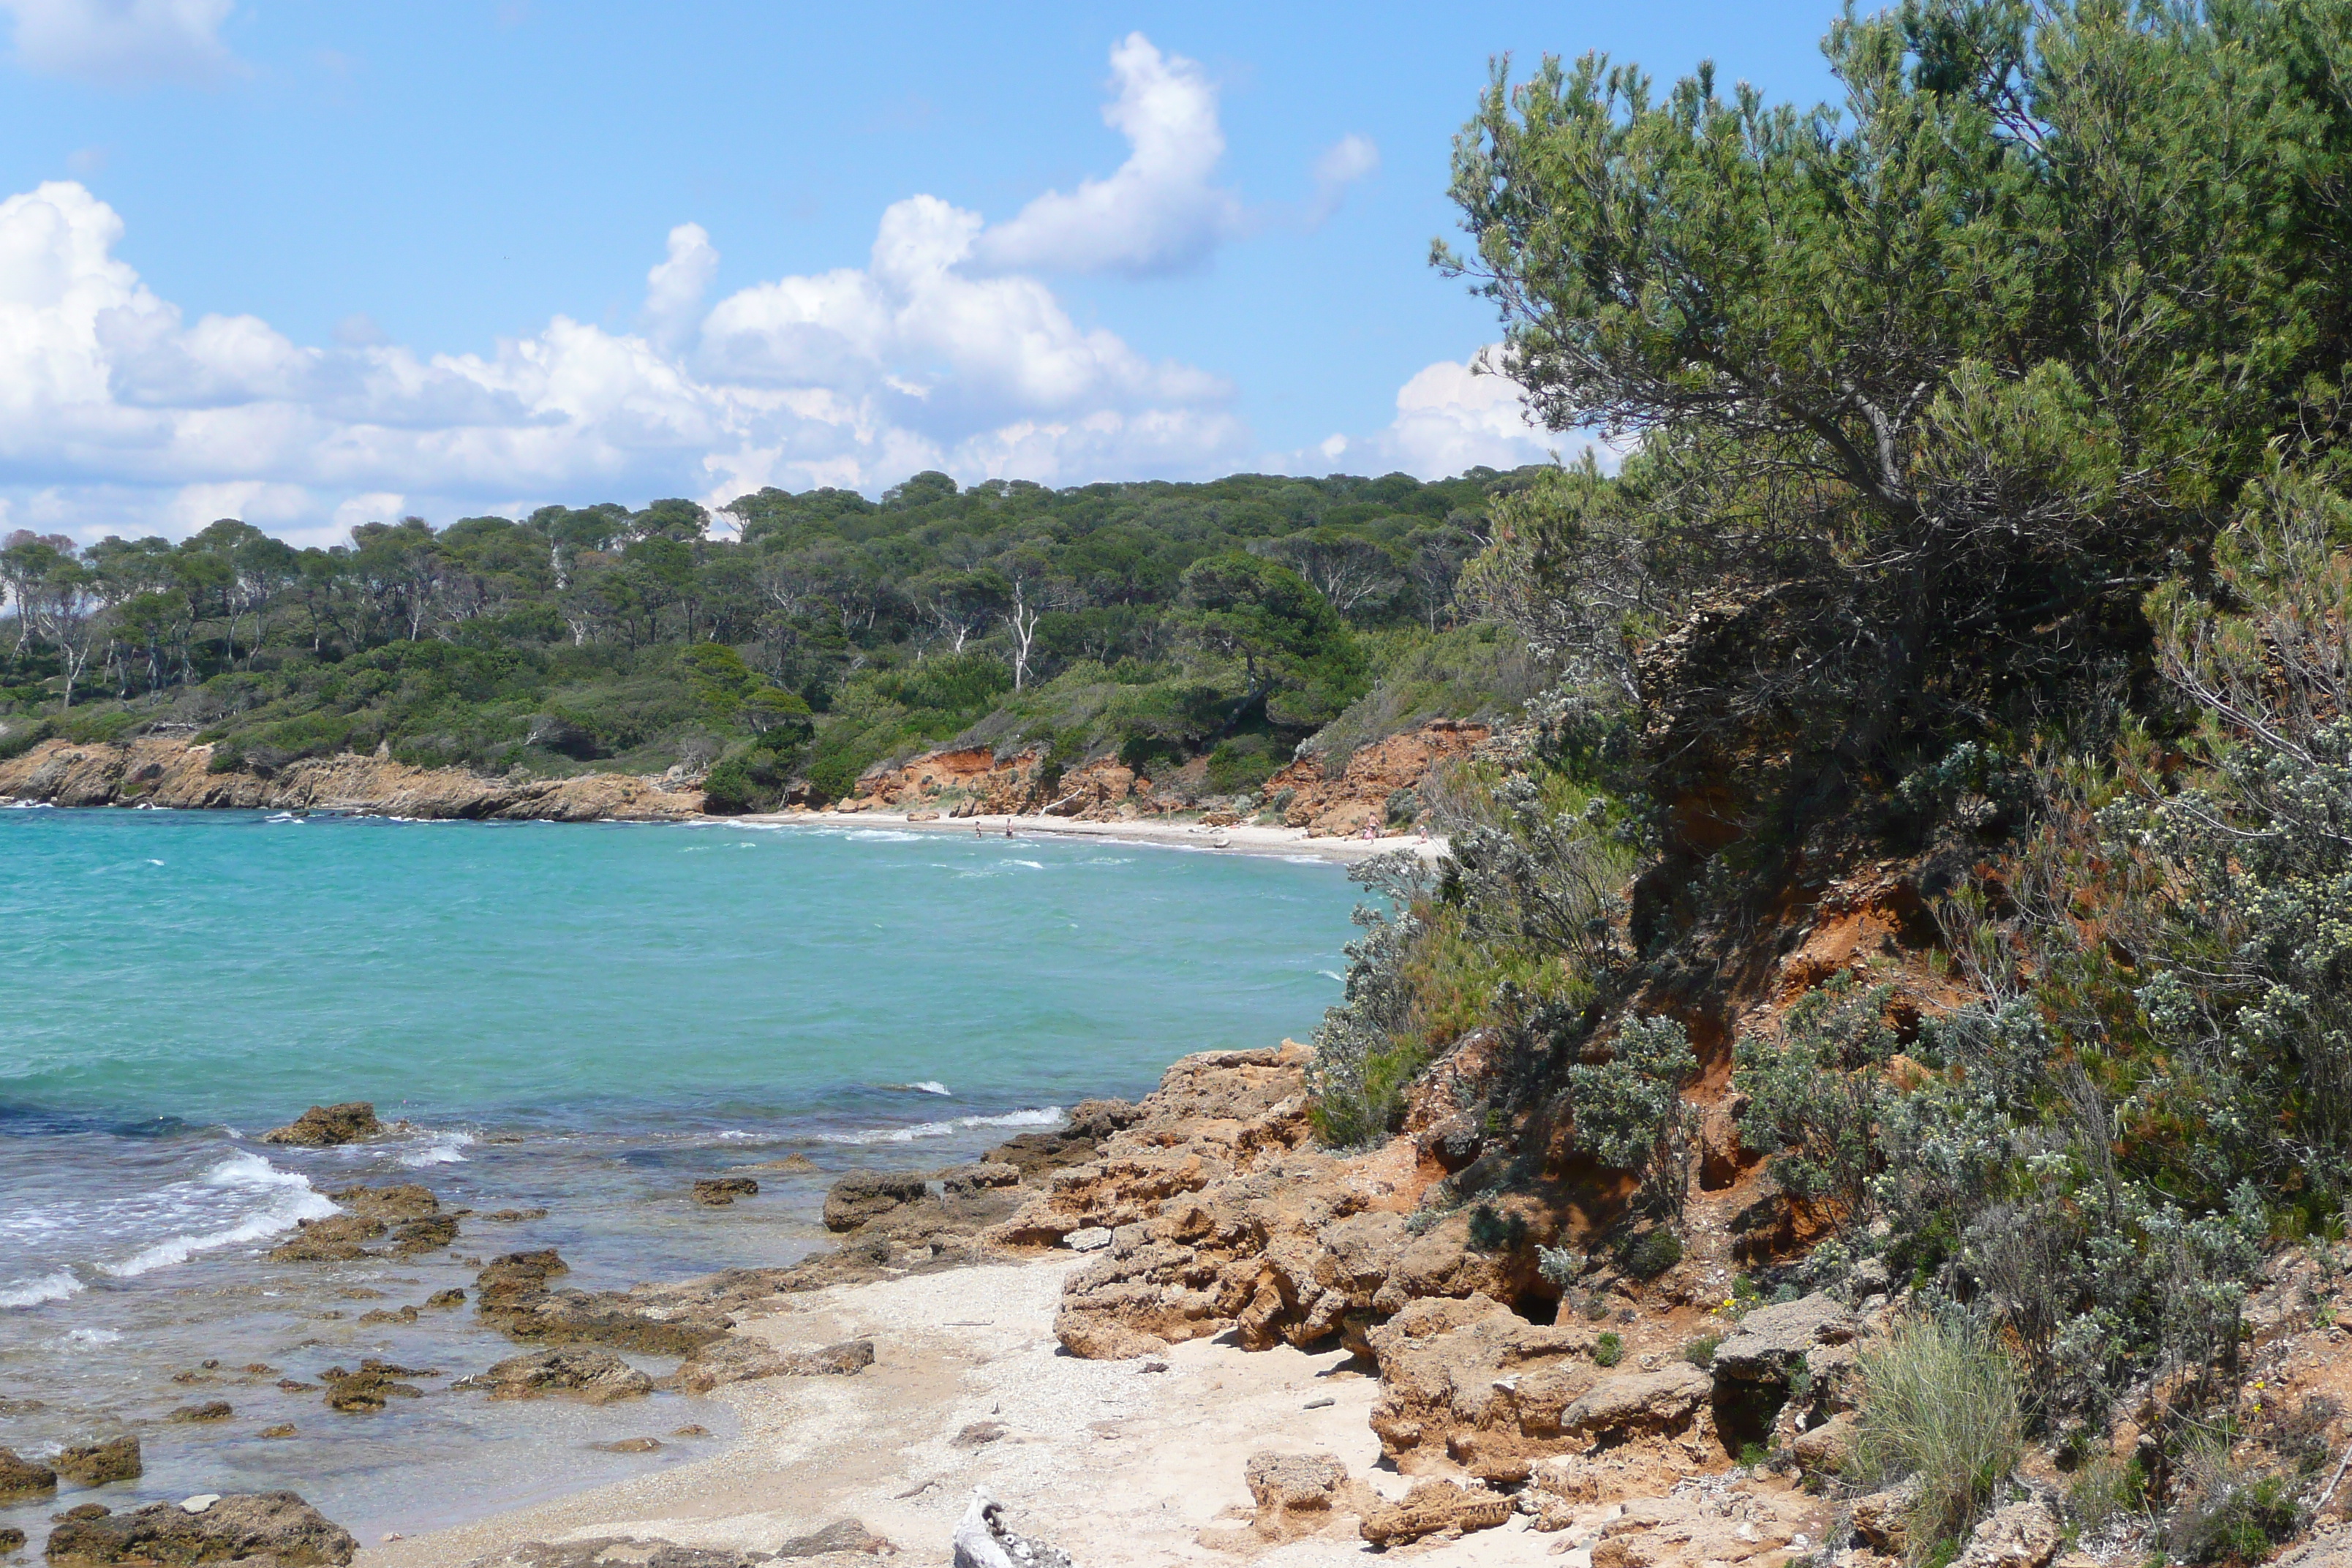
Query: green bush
1700	1352
1630	1113
1815	1093
1652	1252
1940	1401
1609	1349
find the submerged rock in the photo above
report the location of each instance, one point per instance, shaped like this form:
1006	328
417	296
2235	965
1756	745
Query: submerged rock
276	1526
95	1464
211	1410
370	1388
324	1126
597	1376
512	1295
718	1192
12	1540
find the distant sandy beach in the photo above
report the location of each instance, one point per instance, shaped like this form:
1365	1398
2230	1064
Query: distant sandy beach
1245	839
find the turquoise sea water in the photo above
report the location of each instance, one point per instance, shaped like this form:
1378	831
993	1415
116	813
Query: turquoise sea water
578	1018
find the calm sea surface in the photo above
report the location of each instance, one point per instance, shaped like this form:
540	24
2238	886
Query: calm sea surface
577	1018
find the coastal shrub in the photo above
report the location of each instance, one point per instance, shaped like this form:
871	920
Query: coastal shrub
1609	1349
2228	1511
1700	1352
1941	1402
1815	1093
1651	1253
1559	1266
1363	1061
1630	1112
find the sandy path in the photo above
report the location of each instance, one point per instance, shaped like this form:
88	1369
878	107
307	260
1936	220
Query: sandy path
1117	1465
1247	839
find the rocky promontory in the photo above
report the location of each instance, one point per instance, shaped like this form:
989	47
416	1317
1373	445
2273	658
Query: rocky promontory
170	771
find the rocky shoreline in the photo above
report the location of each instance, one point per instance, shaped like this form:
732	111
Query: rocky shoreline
1180	1330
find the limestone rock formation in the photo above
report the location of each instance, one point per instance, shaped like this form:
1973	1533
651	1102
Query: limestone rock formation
596	1376
1301	1494
1434	1508
324	1126
95	1464
862	1196
21	1478
1470	1381
276	1527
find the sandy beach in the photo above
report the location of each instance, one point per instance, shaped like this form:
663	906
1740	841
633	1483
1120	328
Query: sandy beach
1115	1462
1241	840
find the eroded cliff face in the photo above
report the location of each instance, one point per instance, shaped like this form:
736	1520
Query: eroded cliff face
974	781
170	772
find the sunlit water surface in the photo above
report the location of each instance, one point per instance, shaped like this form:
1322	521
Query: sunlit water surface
578	1018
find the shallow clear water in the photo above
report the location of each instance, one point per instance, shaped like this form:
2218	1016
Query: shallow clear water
582	1018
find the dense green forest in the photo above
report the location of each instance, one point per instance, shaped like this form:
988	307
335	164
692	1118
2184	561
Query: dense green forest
1161	621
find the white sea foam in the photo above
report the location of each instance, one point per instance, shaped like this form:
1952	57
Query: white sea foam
1047	1116
81	1338
285	1199
46	1288
439	1149
882	835
923	1086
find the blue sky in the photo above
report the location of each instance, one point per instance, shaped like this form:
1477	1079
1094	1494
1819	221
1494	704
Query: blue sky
312	263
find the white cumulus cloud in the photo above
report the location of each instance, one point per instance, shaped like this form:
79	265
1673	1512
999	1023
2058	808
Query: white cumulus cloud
125	42
1449	418
1158	212
122	413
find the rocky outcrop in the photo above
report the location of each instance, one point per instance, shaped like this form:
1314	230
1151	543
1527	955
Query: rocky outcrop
736	1358
279	1528
1360	795
95	1464
1469	1381
593	1376
171	772
1294	1495
866	1195
326	1126
21	1478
